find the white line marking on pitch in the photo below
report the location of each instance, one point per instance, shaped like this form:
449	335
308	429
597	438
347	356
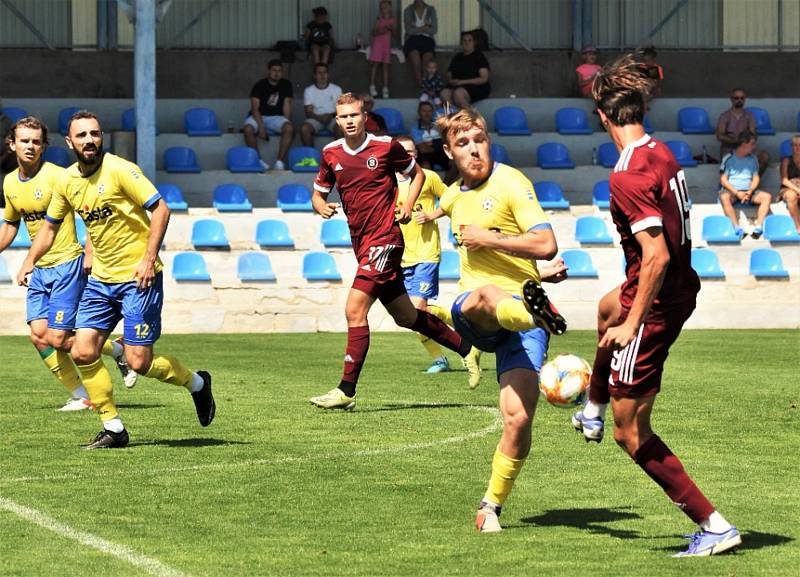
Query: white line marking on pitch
148	564
496	425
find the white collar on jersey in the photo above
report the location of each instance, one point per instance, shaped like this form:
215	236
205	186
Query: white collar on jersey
364	144
637	143
625	154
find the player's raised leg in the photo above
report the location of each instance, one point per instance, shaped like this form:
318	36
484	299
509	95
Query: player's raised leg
440	363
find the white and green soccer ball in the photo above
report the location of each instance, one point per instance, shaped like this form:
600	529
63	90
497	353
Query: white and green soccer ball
564	381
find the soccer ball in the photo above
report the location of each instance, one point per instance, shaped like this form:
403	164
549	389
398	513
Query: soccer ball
564	381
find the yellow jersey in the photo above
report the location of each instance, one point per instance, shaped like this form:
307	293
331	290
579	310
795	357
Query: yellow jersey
421	240
112	201
504	202
27	200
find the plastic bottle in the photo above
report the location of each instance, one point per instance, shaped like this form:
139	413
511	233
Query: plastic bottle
705	155
230	127
594	156
359	45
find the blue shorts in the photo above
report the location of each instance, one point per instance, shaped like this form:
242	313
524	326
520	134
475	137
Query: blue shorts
54	294
104	304
422	280
513	350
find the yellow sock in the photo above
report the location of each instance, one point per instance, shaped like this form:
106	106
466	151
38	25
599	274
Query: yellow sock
169	370
97	382
433	348
513	316
108	348
504	472
441	313
62	367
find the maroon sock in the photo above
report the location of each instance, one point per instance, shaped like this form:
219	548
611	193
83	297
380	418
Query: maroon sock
355	354
655	458
432	327
601	370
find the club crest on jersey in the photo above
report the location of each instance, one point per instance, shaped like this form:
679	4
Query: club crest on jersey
488	204
37	194
372	162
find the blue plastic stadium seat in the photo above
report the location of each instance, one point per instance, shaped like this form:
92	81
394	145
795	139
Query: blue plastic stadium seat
231	198
63	118
273	234
706	263
694	120
394	120
14	113
201	122
786	147
190	266
500	154
763	122
181	159
607	154
718	229
451	237
780	228
57	155
335	233
128	120
601	194
579	263
243	159
553	155
766	262
682	152
320	266
23	239
450	265
304	159
172	195
592	230
209	233
294	197
798	122
550	195
255	266
572	121
648	128
5	276
511	121
80	230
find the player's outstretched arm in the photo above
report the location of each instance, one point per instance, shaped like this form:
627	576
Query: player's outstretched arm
539	243
414	188
553	272
159	219
7	234
41	244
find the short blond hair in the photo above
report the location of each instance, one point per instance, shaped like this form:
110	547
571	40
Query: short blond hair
461	121
350	98
796	139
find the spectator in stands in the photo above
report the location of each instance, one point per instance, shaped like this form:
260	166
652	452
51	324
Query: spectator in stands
420	24
587	71
318	35
375	123
732	123
432	84
651	70
468	75
430	150
790	182
319	100
8	160
739	179
380	51
270	109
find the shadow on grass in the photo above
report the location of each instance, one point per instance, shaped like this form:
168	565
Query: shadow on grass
139	406
751	540
204	442
592	520
417	406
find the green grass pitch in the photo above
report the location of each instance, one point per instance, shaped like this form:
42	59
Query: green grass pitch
277	487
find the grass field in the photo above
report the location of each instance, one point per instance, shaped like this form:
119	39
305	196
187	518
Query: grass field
277	487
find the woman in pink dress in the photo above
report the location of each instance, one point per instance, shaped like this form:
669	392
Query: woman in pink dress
380	52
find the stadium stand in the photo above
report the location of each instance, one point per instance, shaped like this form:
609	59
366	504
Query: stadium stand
273	233
592	230
320	266
63	118
80	230
553	155
173	196
763	123
294	197
128	120
572	121
57	155
767	263
201	122
14	112
181	159
607	154
706	263
550	195
648	128
682	152
23	239
786	147
694	120
601	194
304	159
254	266
209	233
5	276
718	229
231	198
450	265
335	233
779	228
190	266
511	121
500	154
243	159
579	263
394	120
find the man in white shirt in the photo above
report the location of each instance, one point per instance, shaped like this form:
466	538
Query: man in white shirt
319	100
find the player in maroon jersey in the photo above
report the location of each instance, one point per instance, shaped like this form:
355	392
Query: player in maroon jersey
363	167
638	321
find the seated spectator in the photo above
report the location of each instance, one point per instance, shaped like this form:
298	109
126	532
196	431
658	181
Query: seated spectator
432	84
651	70
8	160
318	35
739	179
790	182
587	71
375	123
319	101
270	109
430	151
468	75
420	24
732	123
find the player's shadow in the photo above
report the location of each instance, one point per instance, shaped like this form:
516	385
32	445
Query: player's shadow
136	406
201	442
418	406
592	520
751	540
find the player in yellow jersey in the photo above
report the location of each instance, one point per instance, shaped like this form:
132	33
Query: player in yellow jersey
58	280
501	231
113	197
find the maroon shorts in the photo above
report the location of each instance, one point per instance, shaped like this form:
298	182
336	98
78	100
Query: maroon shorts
379	273
636	370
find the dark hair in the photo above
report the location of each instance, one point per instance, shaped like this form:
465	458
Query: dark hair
320	65
425	103
621	92
650	51
319	11
274	62
745	136
28	122
80	115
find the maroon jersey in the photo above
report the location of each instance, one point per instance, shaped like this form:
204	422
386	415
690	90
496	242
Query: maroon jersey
367	185
648	188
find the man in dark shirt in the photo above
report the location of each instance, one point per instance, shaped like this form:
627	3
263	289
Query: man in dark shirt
270	110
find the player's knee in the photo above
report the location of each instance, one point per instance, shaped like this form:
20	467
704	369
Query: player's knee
83	355
59	340
287	129
626	440
39	340
138	361
406	320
